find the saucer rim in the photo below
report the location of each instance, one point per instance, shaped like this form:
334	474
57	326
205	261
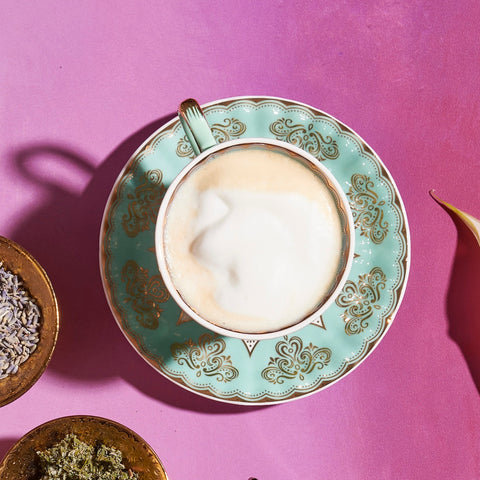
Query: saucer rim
370	347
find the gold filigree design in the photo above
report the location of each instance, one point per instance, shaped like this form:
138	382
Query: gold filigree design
145	294
361	300
305	137
184	148
250	346
183	318
206	357
230	129
318	322
143	205
367	211
295	360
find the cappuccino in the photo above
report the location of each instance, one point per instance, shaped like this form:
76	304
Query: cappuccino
253	239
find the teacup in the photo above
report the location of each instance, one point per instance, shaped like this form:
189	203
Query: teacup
254	238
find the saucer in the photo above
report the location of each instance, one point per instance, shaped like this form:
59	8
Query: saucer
268	371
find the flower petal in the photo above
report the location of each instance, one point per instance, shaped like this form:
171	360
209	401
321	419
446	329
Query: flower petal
472	223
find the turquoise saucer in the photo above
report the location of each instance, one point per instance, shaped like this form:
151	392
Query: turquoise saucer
269	371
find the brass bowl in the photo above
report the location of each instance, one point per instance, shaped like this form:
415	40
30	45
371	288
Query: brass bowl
35	280
21	462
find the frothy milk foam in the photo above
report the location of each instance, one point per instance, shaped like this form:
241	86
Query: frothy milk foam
252	239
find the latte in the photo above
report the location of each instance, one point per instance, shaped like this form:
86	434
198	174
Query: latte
253	239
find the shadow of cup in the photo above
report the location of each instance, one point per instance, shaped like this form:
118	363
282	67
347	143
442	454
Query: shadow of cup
62	232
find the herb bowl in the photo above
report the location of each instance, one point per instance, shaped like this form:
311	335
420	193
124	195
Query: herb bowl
21	462
35	281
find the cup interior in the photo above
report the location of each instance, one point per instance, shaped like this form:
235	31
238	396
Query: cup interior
341	207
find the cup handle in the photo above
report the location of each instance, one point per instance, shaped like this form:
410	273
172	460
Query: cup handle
195	125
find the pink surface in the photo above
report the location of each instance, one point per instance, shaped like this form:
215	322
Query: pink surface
83	83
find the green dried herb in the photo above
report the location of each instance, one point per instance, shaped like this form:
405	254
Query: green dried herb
72	459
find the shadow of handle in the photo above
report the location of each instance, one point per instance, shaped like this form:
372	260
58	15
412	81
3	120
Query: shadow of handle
65	159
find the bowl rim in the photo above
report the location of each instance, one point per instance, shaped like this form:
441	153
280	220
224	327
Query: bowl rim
53	312
68	423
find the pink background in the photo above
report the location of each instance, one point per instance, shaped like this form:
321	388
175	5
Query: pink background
83	83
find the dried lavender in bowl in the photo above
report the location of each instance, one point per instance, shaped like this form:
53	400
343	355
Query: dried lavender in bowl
19	323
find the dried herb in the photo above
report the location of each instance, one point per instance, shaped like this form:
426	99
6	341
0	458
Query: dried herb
19	323
72	459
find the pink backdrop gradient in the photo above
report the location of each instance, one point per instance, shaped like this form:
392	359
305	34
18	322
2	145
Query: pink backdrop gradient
82	84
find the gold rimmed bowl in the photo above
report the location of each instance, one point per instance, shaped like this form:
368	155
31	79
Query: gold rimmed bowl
21	462
36	282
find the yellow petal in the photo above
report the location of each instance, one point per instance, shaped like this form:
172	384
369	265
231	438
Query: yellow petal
472	223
